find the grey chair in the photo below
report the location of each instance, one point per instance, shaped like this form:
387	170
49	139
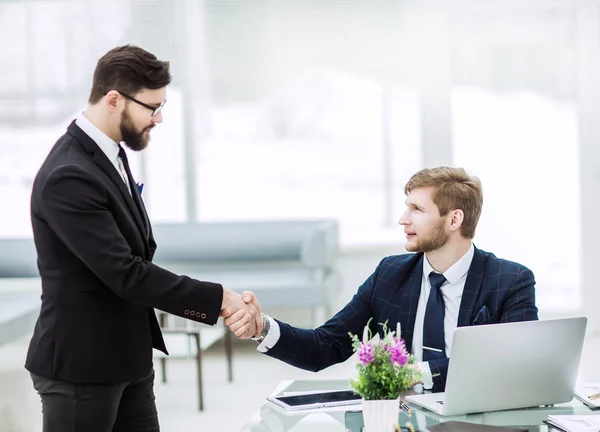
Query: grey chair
20	288
18	258
196	339
287	264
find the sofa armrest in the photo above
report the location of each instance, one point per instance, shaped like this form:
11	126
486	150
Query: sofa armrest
320	247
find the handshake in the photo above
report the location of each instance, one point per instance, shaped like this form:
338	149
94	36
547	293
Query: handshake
242	314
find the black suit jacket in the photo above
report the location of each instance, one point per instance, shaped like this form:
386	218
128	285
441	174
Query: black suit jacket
99	287
496	291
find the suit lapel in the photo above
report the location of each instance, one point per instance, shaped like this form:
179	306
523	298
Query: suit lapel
411	290
472	289
109	169
143	211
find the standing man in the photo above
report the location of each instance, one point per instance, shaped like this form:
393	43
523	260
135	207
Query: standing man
90	356
447	283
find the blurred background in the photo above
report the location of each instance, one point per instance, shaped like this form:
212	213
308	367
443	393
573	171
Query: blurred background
323	109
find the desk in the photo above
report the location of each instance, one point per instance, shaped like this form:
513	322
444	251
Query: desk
270	418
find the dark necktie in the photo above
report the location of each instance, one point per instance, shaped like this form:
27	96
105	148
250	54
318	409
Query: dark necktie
433	326
135	194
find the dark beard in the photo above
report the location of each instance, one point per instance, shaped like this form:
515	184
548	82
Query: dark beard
434	240
132	138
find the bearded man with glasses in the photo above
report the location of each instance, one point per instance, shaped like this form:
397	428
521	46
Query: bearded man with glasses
90	356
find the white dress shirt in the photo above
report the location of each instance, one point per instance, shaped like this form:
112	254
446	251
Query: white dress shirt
272	336
452	291
109	147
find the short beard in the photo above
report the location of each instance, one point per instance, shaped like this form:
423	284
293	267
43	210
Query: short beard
432	241
133	138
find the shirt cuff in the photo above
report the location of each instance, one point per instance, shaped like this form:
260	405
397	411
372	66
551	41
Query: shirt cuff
272	336
427	378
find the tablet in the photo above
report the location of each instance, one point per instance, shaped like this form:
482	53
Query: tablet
312	400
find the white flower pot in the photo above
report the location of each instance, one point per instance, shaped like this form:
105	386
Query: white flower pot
380	415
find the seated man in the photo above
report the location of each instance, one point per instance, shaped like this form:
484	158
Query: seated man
447	283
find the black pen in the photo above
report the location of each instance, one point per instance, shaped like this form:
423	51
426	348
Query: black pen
405	407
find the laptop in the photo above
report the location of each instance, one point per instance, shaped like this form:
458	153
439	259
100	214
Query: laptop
508	366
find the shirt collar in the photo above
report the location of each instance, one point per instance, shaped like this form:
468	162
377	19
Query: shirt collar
106	144
457	271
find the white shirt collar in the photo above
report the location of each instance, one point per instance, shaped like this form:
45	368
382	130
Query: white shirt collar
106	144
457	271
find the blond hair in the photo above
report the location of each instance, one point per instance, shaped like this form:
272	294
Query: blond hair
453	189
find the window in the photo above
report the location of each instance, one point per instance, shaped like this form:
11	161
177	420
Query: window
515	126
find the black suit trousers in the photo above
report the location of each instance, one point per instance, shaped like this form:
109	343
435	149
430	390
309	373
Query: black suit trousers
122	407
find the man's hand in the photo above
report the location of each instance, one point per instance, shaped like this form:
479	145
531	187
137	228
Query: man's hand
243	324
242	314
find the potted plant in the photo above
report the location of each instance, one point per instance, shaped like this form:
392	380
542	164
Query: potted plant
385	370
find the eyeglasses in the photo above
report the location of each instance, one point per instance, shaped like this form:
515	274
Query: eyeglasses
155	109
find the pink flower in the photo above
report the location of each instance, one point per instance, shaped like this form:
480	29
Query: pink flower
399	341
365	353
398	353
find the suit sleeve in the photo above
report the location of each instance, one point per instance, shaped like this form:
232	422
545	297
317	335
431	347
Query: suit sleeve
75	205
329	344
519	304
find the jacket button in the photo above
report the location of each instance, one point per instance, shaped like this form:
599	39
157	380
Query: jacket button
203	316
197	314
186	312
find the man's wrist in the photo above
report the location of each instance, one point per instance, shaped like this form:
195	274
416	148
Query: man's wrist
265	330
226	301
273	334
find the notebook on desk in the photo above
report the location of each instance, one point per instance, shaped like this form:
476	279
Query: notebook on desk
589	394
508	366
574	423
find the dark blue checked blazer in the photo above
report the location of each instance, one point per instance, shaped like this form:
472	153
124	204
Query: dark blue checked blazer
496	291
